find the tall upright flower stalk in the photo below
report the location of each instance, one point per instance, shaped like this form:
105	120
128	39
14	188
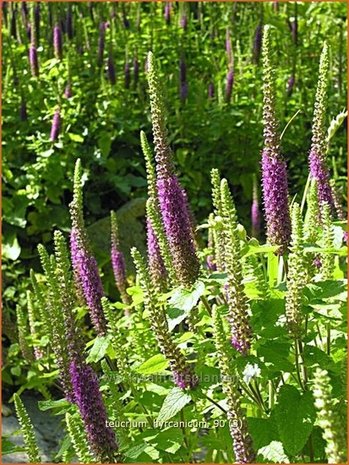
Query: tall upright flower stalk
182	372
56	125
241	332
159	254
329	418
118	260
255	212
242	442
172	200
217	229
93	413
58	41
317	155
30	441
274	173
84	263
297	274
55	320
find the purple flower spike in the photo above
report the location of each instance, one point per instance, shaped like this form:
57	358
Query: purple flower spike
257	43
93	413
87	275
58	42
167	12
294	31
119	268
229	84
255	212
274	173
178	228
183	22
320	172
33	60
127	75
275	194
118	260
68	91
56	124
317	155
290	85
174	207
111	70
183	91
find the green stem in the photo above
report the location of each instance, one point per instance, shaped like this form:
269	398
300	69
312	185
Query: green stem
206	304
297	365
215	403
271	395
186	442
305	193
328	339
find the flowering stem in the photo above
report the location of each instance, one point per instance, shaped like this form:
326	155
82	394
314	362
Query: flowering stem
214	403
206	304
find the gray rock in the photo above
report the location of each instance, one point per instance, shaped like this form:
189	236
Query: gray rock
48	431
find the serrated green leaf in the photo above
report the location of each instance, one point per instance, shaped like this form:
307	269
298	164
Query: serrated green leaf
295	415
135	451
274	452
173	403
184	299
262	430
50	404
155	364
99	349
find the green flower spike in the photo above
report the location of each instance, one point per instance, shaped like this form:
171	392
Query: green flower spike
297	274
75	427
241	332
23	332
29	438
242	442
218	233
183	375
329	418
